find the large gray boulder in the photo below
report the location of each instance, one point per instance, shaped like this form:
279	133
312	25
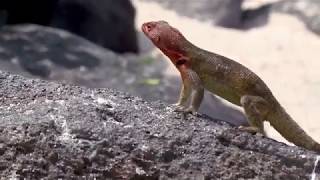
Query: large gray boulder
58	131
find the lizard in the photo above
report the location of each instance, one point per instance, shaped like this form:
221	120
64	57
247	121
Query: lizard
203	70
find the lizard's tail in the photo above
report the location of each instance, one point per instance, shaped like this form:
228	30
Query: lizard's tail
291	131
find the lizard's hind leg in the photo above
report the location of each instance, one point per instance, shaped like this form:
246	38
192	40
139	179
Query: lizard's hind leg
256	110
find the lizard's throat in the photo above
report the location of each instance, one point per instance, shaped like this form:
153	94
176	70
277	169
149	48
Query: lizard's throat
175	57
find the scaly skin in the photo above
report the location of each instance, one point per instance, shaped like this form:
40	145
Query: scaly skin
200	69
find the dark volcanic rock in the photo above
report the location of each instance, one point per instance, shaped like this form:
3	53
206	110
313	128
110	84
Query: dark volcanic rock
252	18
107	23
32	11
226	13
54	131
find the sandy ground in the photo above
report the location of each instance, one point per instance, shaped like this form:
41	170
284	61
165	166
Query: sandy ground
283	53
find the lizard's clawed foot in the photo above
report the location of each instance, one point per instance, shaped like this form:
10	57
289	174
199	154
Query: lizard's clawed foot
180	108
177	104
191	110
250	129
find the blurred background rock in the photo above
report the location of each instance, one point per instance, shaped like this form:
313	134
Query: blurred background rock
106	23
99	44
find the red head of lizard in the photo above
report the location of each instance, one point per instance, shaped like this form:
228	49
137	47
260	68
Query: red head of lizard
168	39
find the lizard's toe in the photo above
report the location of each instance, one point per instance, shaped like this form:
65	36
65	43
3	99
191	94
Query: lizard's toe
250	129
177	104
191	110
179	108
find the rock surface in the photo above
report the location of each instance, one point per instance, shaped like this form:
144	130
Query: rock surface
107	23
53	131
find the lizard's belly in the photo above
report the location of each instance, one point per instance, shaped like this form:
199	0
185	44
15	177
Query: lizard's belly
222	89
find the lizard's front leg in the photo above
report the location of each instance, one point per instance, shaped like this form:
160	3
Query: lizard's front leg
185	93
192	88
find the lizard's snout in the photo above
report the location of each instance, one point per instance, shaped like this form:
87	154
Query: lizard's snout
147	27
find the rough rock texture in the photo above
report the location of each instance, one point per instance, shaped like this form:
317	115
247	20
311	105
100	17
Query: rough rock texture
226	13
53	131
307	10
108	23
57	55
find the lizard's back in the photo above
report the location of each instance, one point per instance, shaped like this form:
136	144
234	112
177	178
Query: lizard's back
227	78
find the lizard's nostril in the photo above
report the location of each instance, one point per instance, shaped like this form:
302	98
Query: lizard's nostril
148	28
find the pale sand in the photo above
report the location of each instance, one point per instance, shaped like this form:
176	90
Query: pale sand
283	53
